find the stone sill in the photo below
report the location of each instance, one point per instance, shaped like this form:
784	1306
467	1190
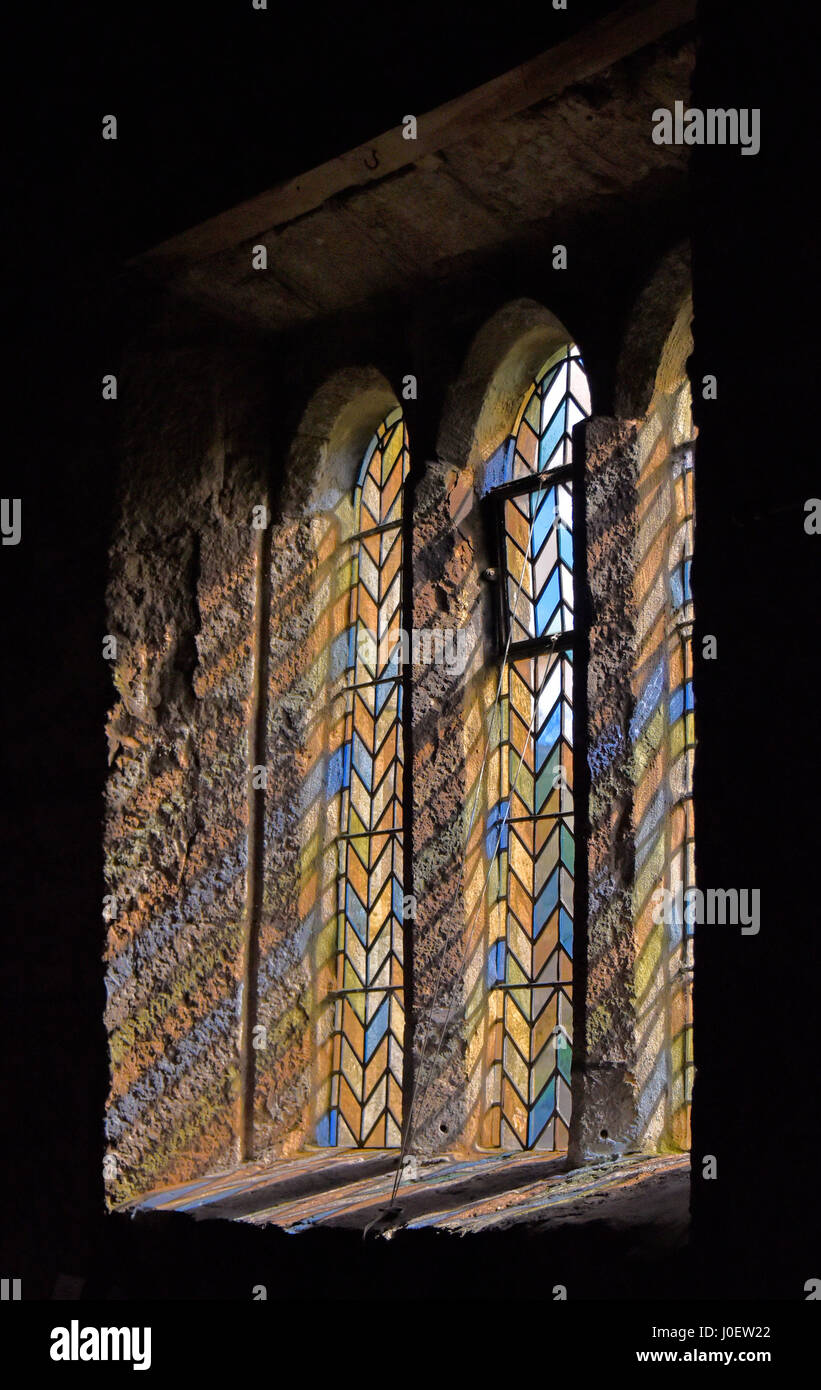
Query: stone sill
352	1190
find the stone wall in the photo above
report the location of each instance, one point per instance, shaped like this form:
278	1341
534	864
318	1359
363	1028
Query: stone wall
222	942
182	607
634	1067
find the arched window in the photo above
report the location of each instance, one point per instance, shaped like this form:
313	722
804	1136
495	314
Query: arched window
531	825
369	1013
681	716
664	737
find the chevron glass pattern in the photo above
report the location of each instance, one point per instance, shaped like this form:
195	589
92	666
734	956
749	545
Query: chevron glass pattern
538	529
366	1083
681	754
558	400
532	961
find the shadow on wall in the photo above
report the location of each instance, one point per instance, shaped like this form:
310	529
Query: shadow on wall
663	743
217	1056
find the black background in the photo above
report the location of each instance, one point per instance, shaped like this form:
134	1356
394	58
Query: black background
216	103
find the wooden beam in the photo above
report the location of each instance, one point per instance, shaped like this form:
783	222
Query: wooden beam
628	29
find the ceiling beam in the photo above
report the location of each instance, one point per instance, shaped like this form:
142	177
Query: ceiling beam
594	48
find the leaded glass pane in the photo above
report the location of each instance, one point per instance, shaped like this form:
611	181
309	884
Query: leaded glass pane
530	830
366	1083
559	398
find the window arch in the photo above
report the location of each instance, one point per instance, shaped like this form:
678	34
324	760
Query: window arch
369	1015
530	830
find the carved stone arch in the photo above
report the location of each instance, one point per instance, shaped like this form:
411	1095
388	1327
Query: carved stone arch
502	360
331	438
657	341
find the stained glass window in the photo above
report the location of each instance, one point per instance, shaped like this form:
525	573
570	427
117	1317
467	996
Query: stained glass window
531	945
369	1020
682	751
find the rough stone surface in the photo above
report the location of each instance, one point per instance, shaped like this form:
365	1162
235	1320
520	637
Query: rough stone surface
220	946
181	604
447	595
545	166
607	1010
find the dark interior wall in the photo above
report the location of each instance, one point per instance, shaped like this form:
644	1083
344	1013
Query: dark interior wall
756	1104
608	266
181	604
756	580
197	397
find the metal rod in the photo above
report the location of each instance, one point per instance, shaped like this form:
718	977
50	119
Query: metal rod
375	530
364	834
546	984
364	989
540	646
536	482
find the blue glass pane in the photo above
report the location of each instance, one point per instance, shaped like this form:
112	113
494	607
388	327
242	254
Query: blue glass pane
566	546
542	510
541	1112
546	902
547	604
546	739
356	913
552	435
376	1029
383	691
397	900
566	930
